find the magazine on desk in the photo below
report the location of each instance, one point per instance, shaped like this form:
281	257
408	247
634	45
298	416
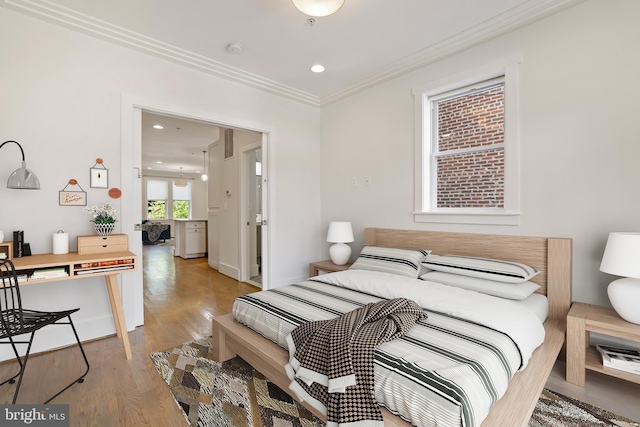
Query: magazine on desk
625	359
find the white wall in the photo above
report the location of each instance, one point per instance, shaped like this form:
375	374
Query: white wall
579	139
62	99
230	203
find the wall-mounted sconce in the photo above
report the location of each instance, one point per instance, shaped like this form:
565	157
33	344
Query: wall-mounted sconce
22	178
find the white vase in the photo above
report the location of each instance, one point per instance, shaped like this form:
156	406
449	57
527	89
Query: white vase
104	229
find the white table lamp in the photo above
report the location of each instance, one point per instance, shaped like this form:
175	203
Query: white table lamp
340	233
622	258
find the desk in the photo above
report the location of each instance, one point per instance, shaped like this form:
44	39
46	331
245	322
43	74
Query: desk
78	266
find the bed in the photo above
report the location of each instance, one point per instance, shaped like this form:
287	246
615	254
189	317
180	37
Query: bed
549	255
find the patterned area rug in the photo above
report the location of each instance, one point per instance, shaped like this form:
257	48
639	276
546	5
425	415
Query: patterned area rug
233	394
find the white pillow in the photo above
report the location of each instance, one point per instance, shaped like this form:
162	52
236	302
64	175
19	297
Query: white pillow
404	262
516	291
483	268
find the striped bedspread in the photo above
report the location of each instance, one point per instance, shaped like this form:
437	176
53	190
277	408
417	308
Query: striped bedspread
448	370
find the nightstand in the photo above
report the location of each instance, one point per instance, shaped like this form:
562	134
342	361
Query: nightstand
326	265
585	318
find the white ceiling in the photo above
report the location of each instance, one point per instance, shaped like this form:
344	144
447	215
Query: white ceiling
178	145
365	43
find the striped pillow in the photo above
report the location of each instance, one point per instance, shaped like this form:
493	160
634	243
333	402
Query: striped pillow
404	262
483	268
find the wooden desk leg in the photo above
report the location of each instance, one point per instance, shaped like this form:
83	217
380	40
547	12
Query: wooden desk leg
576	350
114	309
118	311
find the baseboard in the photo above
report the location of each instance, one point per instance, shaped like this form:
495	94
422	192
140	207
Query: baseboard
229	270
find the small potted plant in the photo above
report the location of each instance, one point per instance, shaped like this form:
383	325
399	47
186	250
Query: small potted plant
104	218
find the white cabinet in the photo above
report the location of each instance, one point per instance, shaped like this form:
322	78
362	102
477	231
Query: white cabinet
191	238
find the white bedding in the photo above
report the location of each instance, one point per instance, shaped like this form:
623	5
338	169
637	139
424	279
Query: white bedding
445	371
523	327
537	303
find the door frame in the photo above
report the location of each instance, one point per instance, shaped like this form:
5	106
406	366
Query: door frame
245	236
131	183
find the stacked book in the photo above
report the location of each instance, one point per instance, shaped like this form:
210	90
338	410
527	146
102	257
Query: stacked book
624	359
49	273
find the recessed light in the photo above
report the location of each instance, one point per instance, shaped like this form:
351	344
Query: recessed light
149	167
317	68
159	162
158	127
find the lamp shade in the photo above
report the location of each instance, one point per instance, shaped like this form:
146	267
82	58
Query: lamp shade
340	232
622	255
23	179
318	7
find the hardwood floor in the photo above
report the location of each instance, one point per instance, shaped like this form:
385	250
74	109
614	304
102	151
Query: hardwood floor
180	298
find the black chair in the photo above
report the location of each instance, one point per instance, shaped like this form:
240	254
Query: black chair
15	321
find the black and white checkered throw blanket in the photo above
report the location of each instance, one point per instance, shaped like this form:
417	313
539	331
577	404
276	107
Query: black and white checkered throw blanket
331	361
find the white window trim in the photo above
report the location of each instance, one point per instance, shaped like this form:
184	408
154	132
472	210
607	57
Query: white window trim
510	214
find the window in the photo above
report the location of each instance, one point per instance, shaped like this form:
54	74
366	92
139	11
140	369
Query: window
156	198
468	146
467	149
182	201
167	200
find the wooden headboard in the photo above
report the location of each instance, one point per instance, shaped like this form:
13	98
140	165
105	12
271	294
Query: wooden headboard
552	256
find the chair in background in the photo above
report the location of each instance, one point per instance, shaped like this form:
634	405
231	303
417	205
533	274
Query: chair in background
16	321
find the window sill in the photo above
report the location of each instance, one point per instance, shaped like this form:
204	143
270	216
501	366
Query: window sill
481	218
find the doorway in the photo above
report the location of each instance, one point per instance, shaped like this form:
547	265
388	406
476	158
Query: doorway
132	160
252	213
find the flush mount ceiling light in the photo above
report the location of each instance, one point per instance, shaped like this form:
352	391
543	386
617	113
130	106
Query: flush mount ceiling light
158	127
318	7
318	68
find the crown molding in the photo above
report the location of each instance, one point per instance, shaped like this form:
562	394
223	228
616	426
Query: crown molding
526	13
86	24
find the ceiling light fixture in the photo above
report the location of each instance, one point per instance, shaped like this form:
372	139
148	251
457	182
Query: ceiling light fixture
204	176
159	127
181	182
318	68
318	7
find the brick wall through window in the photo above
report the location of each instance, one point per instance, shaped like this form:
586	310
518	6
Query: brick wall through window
472	124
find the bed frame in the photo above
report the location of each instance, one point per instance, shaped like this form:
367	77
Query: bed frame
552	256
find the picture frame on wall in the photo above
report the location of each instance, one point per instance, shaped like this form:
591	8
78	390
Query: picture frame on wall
72	197
99	175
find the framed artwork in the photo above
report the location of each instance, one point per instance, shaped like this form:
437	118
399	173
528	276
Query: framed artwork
99	175
72	197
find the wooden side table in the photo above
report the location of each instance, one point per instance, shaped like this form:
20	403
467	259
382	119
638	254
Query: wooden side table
326	265
585	318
